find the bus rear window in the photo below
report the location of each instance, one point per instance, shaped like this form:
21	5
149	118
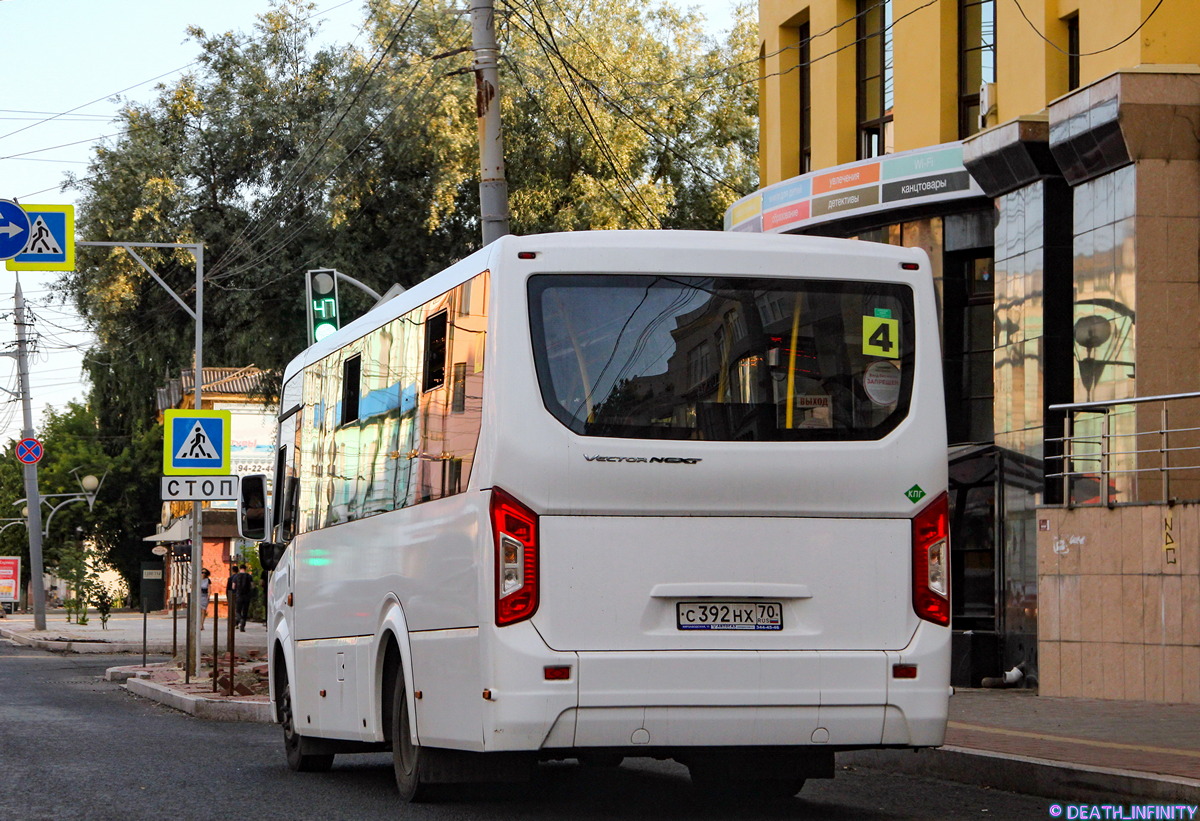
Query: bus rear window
722	358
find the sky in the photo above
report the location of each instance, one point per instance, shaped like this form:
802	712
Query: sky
70	64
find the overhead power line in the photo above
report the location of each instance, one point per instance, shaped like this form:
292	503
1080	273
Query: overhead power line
53	116
291	182
623	110
1061	50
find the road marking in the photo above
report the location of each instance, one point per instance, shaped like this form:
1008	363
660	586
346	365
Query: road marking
1110	745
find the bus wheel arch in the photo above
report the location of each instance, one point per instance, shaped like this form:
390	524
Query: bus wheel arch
409	760
293	743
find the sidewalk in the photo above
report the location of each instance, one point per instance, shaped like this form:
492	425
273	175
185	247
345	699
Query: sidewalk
123	634
162	681
1066	749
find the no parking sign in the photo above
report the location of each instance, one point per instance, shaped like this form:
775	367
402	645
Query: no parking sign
29	451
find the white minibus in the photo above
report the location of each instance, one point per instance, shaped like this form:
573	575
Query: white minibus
606	494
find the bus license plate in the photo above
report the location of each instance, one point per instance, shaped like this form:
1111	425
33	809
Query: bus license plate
729	615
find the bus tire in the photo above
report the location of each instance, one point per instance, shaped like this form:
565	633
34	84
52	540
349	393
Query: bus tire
298	761
408	759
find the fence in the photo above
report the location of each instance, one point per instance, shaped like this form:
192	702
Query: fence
1128	451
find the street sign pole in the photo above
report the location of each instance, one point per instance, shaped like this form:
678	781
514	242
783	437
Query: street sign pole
197	315
197	525
33	498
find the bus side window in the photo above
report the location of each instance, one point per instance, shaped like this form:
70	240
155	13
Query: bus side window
283	507
277	484
287	530
434	375
351	389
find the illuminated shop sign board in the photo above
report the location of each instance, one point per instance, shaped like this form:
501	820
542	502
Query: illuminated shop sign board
881	184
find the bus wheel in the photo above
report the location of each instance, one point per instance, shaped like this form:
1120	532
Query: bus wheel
407	758
297	761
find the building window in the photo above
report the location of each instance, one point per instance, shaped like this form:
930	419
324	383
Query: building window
805	56
976	59
1073	52
875	86
969	345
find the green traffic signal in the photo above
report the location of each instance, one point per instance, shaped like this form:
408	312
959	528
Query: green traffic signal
323	313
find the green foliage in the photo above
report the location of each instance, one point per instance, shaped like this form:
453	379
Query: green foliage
75	567
104	600
258	604
14	539
616	115
127	503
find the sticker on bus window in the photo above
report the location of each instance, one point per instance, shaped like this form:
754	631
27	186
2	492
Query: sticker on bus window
881	337
881	381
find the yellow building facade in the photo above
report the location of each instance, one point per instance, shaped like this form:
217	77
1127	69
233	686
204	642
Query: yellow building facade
1046	154
1032	44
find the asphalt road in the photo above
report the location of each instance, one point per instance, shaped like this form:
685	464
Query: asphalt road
73	746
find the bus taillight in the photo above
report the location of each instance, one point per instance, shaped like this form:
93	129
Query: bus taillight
931	561
515	535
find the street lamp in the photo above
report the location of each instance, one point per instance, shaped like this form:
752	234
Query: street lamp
89	486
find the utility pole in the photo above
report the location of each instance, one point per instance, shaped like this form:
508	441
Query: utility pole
493	188
33	521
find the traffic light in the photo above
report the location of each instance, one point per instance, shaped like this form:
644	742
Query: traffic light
323	315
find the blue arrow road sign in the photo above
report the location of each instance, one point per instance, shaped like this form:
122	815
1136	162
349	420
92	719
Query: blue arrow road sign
14	229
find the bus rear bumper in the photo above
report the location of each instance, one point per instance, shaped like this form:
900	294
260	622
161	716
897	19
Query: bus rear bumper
671	699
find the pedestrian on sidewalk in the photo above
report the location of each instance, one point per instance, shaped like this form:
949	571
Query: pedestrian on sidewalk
243	590
205	586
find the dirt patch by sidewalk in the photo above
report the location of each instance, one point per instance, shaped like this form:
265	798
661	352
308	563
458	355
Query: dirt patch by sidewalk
250	680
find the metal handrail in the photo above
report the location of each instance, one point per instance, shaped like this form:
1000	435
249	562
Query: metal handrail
1137	400
1097	451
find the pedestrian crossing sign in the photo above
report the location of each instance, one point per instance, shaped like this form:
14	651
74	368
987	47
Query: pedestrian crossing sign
51	243
196	443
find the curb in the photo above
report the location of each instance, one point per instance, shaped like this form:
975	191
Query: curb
84	646
199	706
1057	780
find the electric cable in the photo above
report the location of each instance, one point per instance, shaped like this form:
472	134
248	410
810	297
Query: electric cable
588	120
57	115
293	176
1061	50
661	140
305	225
